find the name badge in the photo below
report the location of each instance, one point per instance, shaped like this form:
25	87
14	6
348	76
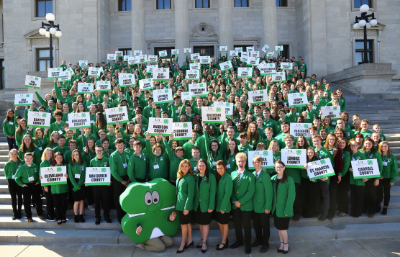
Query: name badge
314	107
11	123
66	122
333	122
214	163
13	176
156	166
175	112
60	132
78	176
194	168
40	148
125	165
84	148
297	113
385	163
92	121
31	179
228	166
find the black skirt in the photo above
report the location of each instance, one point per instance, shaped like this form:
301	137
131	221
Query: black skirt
185	219
79	195
222	219
203	218
281	223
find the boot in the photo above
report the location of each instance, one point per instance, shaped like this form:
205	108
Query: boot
76	219
81	219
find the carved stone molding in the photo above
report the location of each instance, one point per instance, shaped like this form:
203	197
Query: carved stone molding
33	38
203	29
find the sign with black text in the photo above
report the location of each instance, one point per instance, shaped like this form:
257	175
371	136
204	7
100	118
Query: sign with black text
245	73
294	158
85	88
161	74
300	129
258	96
126	79
199	89
213	115
162	96
39	119
298	100
182	130
54	175
32	81
115	114
267	155
160	125
79	120
23	99
98	176
368	168
320	169
331	111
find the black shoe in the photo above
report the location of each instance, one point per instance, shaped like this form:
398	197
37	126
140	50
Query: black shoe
204	251
81	219
296	217
255	244
247	249
14	217
200	245
279	250
107	219
264	248
50	217
19	215
384	211
236	245
378	208
285	252
64	221
322	218
76	219
330	217
183	249
97	221
223	246
59	222
189	245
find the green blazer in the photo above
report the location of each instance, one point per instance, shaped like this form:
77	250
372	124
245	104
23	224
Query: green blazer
205	193
185	193
283	199
245	191
263	195
224	193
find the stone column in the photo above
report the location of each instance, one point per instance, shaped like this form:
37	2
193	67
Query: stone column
181	28
225	9
138	26
270	33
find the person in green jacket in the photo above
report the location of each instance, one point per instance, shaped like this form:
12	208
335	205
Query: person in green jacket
158	161
242	203
204	200
185	186
223	204
138	164
262	203
389	176
9	129
344	180
119	174
21	131
59	192
28	146
10	169
27	177
284	194
47	161
76	174
175	157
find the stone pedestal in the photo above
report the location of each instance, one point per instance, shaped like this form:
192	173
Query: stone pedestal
368	78
138	25
225	9
181	28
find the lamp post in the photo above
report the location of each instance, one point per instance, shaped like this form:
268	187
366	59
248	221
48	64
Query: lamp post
366	21
48	30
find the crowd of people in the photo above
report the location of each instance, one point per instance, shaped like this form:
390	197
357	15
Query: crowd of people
211	170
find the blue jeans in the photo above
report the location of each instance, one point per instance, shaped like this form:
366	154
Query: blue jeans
12	143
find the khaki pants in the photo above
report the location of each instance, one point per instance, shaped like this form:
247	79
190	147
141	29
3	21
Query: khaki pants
157	244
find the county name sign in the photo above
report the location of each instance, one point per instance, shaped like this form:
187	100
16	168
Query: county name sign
98	176
267	155
52	176
54	73
332	111
85	88
39	119
182	130
119	114
23	99
162	96
300	129
226	66
160	125
365	169
213	115
199	89
126	79
102	85
258	97
161	74
79	120
228	107
320	169
245	72
294	158
298	100
32	81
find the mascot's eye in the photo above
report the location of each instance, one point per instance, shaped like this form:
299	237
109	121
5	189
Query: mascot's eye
156	197
148	199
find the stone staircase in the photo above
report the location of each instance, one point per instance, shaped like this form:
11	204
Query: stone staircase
386	112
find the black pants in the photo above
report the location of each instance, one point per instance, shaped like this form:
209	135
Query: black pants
383	192
33	191
324	192
242	221
370	196
343	194
357	200
261	227
70	193
118	188
60	202
15	191
103	196
49	202
332	198
307	191
297	205
90	195
12	143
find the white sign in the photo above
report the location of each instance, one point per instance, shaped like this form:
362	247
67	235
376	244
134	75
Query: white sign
162	96
119	54
152	58
223	48
233	53
85	88
267	69
162	53
79	120
365	169
265	48
98	176
286	66
23	99
294	158
185	96
39	119
117	114
161	74
103	85
249	48
278	77
258	96
267	156
126	79
297	100
194	66
270	54
175	51
228	107
192	74
239	49
195	56
139	59
320	169
226	66
54	175
331	111
245	73
94	72
253	61
182	130
187	50
131	60
199	89
213	115
126	57
300	129
54	73
254	54
66	76
160	125
150	68
278	48
32	81
146	84
111	57
137	52
205	60
83	63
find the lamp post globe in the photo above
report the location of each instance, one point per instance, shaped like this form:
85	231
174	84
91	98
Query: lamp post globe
356	26
50	17
42	31
368	25
47	34
373	22
364	8
58	34
362	23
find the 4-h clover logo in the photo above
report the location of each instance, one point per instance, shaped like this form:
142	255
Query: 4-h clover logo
265	153
44	115
201	85
27	95
323	161
120	109
103	169
301	94
36	79
261	92
165	121
335	108
59	169
83	114
130	76
248	69
227	104
298	152
166	90
164	70
305	126
369	162
218	109
185	125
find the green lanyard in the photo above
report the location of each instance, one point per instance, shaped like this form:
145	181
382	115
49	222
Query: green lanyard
119	154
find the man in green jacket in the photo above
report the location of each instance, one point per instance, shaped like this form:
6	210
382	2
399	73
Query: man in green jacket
138	164
242	203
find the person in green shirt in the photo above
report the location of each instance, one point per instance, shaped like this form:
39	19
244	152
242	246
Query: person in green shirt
119	174
138	164
21	131
175	157
61	147
59	192
28	146
9	129
47	161
27	177
76	174
10	169
158	160
343	179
